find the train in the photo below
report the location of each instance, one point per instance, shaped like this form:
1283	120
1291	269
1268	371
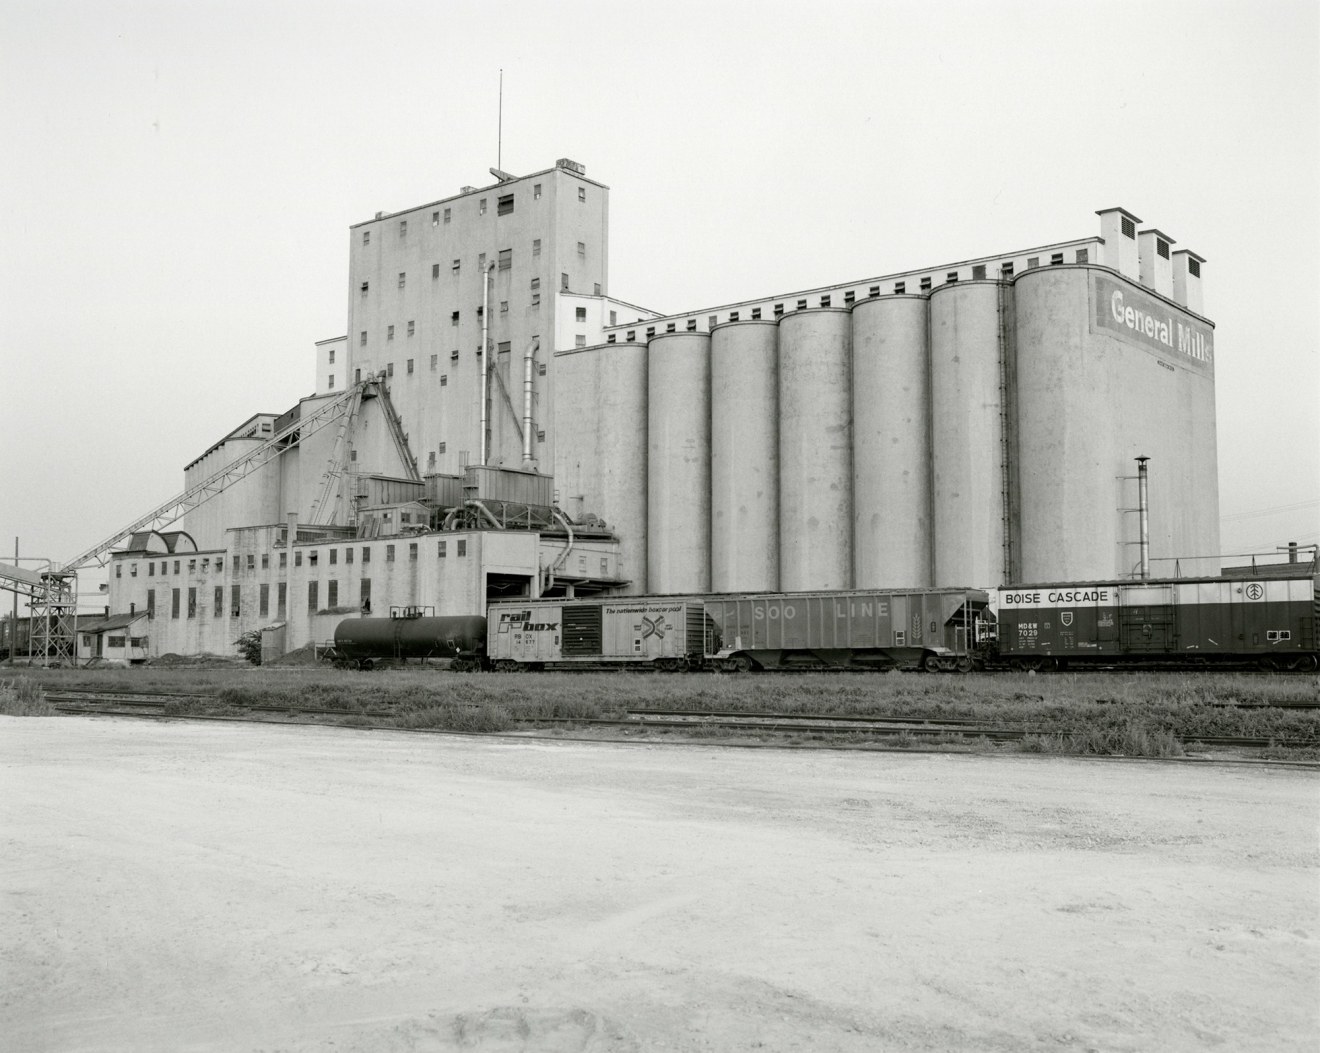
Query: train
1217	622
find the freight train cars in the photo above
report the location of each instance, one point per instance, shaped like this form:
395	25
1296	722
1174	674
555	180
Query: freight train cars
933	629
1267	622
366	642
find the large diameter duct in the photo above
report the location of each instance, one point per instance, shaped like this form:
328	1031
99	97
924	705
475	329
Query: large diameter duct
744	457
1092	394
600	456
815	450
967	375
678	463
891	444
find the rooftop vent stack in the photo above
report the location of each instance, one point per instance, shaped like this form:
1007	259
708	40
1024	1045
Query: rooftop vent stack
1292	551
1187	280
1155	250
1118	229
292	535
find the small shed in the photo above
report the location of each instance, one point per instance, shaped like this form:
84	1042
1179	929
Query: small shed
117	638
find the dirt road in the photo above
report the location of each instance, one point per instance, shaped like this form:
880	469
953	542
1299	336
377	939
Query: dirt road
226	887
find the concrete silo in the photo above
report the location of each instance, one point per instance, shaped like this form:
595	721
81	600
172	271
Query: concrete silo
600	462
1106	371
891	444
968	378
678	463
744	457
815	450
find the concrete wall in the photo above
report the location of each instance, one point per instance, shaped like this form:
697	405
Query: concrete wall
439	399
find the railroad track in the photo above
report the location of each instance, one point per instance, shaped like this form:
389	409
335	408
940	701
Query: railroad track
157	706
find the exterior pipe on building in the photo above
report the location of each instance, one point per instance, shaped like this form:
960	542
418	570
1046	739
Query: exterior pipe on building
529	359
563	556
1143	506
484	355
485	512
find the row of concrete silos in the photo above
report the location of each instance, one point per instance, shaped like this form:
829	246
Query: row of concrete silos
830	449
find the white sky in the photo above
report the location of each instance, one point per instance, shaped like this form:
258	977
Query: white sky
178	180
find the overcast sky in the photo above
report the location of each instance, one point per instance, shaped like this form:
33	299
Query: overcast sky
179	178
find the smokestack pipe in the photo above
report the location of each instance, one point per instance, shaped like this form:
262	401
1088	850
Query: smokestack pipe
529	360
485	363
1143	505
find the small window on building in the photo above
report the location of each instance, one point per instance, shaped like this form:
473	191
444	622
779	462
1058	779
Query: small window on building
297	559
389	369
900	288
174	603
582	193
540	369
1129	229
460	548
925	284
610	339
536	247
1083	256
440	549
281	597
348	556
119	570
579	341
132	570
849	298
650	332
313	557
582	248
218	601
453	318
235	602
403	228
441	448
1033	262
536	190
448	213
580	314
403	279
1056	258
505	259
332	362
151	570
357	376
978	272
389	332
456	266
504	307
733	316
434	362
779	310
802	305
691	325
1193	267
312	590
563	282
332	594
540	435
1162	248
504	204
1006	269
192	603
365	288
389	553
284	560
366	237
614	318
481	207
825	301
410	365
536	299
364	595
366	553
412	328
435	219
251	562
412	551
265	561
263	600
453	355
631	336
951	277
362	339
435	271
670	327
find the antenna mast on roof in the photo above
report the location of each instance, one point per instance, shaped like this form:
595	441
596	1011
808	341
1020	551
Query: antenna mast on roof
499	135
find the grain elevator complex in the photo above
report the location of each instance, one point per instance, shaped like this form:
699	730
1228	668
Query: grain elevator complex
495	424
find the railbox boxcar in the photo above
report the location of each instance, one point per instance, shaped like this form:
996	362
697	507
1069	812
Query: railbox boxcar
665	632
1266	621
912	628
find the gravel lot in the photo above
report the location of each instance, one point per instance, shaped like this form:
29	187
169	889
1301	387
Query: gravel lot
195	886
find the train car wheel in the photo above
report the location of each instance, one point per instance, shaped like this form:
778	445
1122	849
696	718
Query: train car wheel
506	665
964	663
1307	663
737	664
366	665
932	663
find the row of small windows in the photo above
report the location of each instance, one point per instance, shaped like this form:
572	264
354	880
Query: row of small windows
504	205
850	296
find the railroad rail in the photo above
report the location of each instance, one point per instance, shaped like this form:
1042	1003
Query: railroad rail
936	729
